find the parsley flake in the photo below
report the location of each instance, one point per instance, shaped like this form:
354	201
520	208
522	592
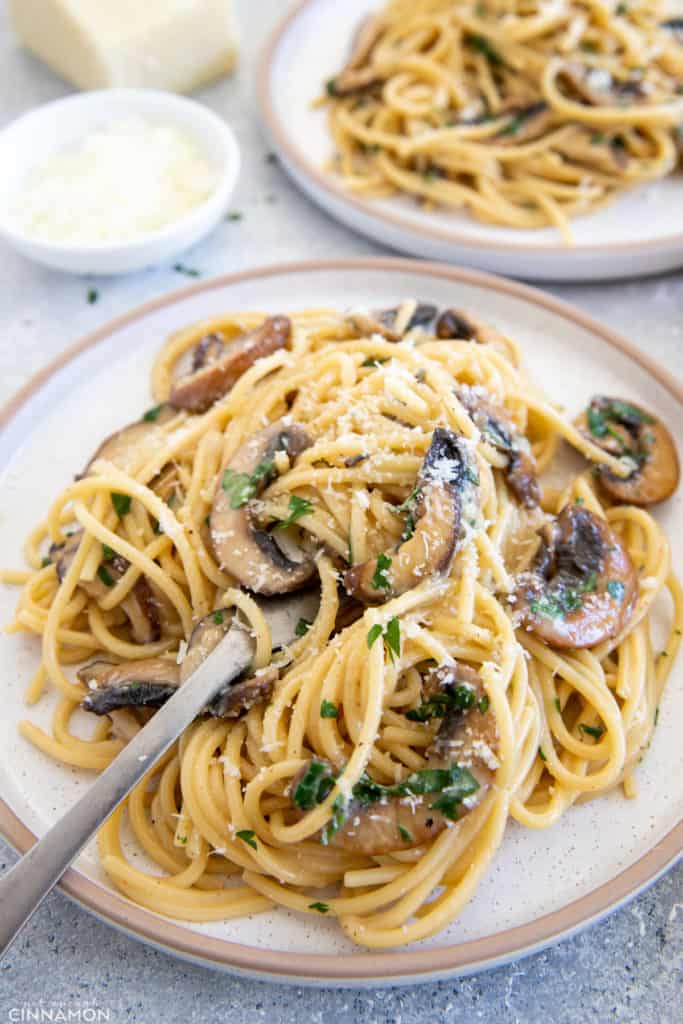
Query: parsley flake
405	834
106	577
218	618
121	503
322	908
328	709
380	580
615	589
152	414
298	507
93	296
302	627
595	731
248	836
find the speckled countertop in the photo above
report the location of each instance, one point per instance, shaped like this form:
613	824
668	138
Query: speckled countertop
628	969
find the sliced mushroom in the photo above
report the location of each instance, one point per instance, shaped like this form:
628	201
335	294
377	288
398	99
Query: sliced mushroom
432	529
525	124
139	604
581	587
241	694
599	88
675	27
132	684
466	745
453	324
383	322
628	431
498	429
217	365
244	550
125	447
356	76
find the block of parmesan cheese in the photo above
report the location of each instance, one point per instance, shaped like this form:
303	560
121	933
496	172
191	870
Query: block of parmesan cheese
178	45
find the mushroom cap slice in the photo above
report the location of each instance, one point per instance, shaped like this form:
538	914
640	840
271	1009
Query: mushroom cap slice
627	430
454	324
499	430
435	514
215	370
240	695
140	604
383	322
249	553
146	683
125	446
466	744
582	587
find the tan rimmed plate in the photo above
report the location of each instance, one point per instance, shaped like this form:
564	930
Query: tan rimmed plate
637	234
543	885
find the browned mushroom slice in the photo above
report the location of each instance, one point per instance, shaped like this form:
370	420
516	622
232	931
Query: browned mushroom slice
383	322
675	27
214	374
241	694
628	431
139	604
454	324
581	588
461	763
131	684
432	528
525	124
498	429
126	447
598	87
355	76
251	554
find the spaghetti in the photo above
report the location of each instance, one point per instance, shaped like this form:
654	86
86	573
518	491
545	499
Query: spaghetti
525	114
372	777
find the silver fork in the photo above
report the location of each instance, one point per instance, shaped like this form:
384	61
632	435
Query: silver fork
26	885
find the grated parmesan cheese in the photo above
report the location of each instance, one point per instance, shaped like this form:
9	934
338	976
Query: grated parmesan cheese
121	182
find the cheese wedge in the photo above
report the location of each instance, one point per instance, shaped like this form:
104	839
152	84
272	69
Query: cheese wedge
178	45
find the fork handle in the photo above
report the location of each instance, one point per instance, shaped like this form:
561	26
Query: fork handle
26	885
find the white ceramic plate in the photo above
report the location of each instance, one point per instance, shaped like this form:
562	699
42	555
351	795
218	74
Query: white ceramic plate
602	852
640	233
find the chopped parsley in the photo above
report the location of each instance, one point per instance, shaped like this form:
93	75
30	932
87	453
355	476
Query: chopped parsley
483	705
595	731
454	784
93	296
579	501
374	633
234	215
598	139
460	698
322	908
45	562
621	9
566	599
541	754
484	46
588	46
513	125
121	503
315	785
218	618
656	719
380	580
615	589
248	836
328	709
298	507
600	418
375	361
106	577
331	87
391	634
181	268
405	834
558	706
302	627
152	414
240	487
108	553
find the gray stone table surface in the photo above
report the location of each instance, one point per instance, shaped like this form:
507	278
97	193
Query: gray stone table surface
627	969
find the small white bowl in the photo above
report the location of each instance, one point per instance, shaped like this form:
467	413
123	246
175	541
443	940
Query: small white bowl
33	138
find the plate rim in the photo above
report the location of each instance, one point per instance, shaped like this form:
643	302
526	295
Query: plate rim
334	191
366	967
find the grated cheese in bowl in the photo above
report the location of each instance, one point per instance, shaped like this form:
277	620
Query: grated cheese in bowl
123	181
